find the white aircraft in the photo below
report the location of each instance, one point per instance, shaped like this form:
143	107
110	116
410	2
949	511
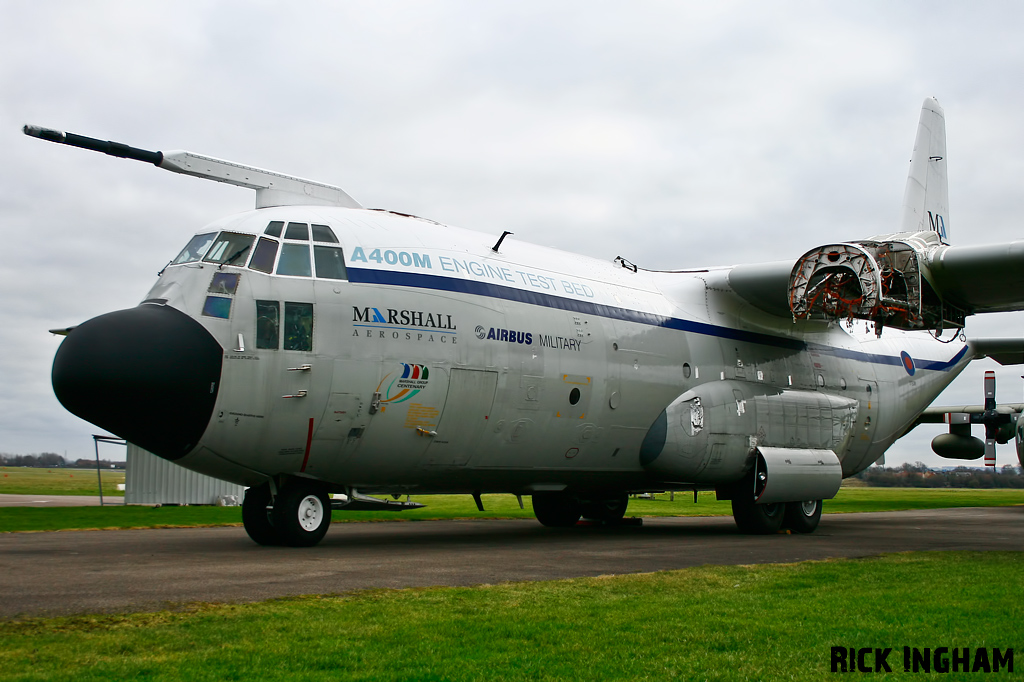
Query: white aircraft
312	347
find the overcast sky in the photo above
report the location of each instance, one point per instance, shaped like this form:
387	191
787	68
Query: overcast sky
675	134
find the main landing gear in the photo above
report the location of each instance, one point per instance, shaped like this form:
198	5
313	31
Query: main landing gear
564	510
765	519
299	516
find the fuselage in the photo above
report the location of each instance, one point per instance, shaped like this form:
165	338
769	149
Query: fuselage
411	356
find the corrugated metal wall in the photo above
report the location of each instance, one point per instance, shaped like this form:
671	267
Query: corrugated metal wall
152	480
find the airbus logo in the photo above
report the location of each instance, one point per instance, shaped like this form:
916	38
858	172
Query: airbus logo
506	335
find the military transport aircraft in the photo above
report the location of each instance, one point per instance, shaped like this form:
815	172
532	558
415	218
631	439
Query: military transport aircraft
313	347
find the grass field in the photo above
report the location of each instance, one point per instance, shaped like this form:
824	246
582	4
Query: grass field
32	481
716	623
497	506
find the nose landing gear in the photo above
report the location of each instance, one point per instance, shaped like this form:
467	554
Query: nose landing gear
299	516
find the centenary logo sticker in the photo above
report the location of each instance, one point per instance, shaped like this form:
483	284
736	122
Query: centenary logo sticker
402	386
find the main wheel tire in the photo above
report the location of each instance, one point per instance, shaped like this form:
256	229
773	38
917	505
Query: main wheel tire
556	510
303	514
609	510
758	519
802	517
257	519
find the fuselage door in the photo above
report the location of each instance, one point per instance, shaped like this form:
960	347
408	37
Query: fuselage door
465	418
862	449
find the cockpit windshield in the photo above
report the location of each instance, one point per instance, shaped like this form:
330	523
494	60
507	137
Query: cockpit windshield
196	248
230	247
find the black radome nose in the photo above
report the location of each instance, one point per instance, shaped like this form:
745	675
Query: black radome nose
148	374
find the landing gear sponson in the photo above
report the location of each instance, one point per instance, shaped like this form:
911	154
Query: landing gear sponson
565	509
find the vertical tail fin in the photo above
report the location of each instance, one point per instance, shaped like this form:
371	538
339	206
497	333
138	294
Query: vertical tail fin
926	200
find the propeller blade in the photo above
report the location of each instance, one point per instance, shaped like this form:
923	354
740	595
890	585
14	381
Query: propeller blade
990	452
990	390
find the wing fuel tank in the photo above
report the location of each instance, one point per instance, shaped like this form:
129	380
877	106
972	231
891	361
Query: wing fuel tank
710	434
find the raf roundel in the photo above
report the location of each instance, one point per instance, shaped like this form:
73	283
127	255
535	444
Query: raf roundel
908	363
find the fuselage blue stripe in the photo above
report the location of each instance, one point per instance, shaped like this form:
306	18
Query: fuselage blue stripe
463	286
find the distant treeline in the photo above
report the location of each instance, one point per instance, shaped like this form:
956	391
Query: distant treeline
51	460
920	476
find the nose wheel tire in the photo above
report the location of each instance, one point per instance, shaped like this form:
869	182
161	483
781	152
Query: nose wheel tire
302	514
758	519
802	517
556	510
257	519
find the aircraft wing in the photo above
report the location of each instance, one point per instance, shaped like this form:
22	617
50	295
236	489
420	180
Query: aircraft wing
1003	351
939	415
980	279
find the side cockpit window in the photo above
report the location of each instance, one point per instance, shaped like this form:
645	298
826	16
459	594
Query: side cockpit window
229	248
298	326
268	324
196	249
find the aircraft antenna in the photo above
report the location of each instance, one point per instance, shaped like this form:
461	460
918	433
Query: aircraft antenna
500	240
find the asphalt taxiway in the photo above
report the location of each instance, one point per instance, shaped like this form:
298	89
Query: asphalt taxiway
69	572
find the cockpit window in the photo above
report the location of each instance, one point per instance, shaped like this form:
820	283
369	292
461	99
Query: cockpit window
294	261
274	228
224	283
229	248
264	256
330	262
268	324
323	233
298	326
196	249
297	231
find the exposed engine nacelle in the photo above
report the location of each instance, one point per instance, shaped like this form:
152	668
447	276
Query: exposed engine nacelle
711	434
884	280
